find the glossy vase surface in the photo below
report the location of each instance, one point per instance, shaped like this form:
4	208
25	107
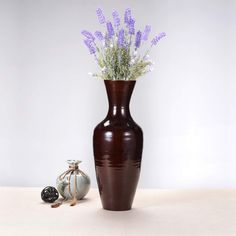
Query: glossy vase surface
117	145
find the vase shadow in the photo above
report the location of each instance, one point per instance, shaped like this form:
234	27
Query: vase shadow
175	197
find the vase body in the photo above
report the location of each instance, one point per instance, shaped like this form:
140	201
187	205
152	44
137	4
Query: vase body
73	182
117	146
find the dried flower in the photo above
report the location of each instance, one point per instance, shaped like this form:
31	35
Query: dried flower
138	39
110	29
116	18
127	16
88	35
107	41
121	38
157	38
104	69
146	32
101	17
118	55
150	68
131	26
91	48
146	57
99	35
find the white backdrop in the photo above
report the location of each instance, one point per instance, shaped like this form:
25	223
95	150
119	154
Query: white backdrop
49	104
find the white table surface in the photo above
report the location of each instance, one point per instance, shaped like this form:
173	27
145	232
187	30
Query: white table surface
155	212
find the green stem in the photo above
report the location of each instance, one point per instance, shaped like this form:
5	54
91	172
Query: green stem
147	51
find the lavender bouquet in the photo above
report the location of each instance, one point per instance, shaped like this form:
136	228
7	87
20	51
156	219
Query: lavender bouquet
116	50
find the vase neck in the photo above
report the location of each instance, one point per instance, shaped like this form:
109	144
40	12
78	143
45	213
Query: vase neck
119	94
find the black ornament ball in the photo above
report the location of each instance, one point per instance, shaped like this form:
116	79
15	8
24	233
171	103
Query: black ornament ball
49	194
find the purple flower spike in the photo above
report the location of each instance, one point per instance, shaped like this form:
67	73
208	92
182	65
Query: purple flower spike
127	16
91	48
121	38
146	32
138	39
101	17
131	26
88	35
110	29
116	18
99	35
158	37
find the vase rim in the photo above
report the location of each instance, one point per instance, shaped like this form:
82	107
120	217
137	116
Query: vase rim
108	80
72	162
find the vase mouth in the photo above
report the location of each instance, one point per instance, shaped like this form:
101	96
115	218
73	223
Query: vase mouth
120	81
72	162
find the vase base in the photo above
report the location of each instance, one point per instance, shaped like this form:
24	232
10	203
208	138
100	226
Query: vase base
116	205
117	209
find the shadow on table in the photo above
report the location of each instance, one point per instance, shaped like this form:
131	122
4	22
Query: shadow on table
82	201
176	197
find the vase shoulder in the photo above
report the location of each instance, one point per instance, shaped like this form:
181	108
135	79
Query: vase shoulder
109	123
117	139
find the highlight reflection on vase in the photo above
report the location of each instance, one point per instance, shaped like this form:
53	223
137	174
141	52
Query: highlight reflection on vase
118	143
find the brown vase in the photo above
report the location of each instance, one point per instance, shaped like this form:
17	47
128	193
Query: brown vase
117	145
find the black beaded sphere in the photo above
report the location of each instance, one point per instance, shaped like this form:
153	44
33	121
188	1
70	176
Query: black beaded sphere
49	194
